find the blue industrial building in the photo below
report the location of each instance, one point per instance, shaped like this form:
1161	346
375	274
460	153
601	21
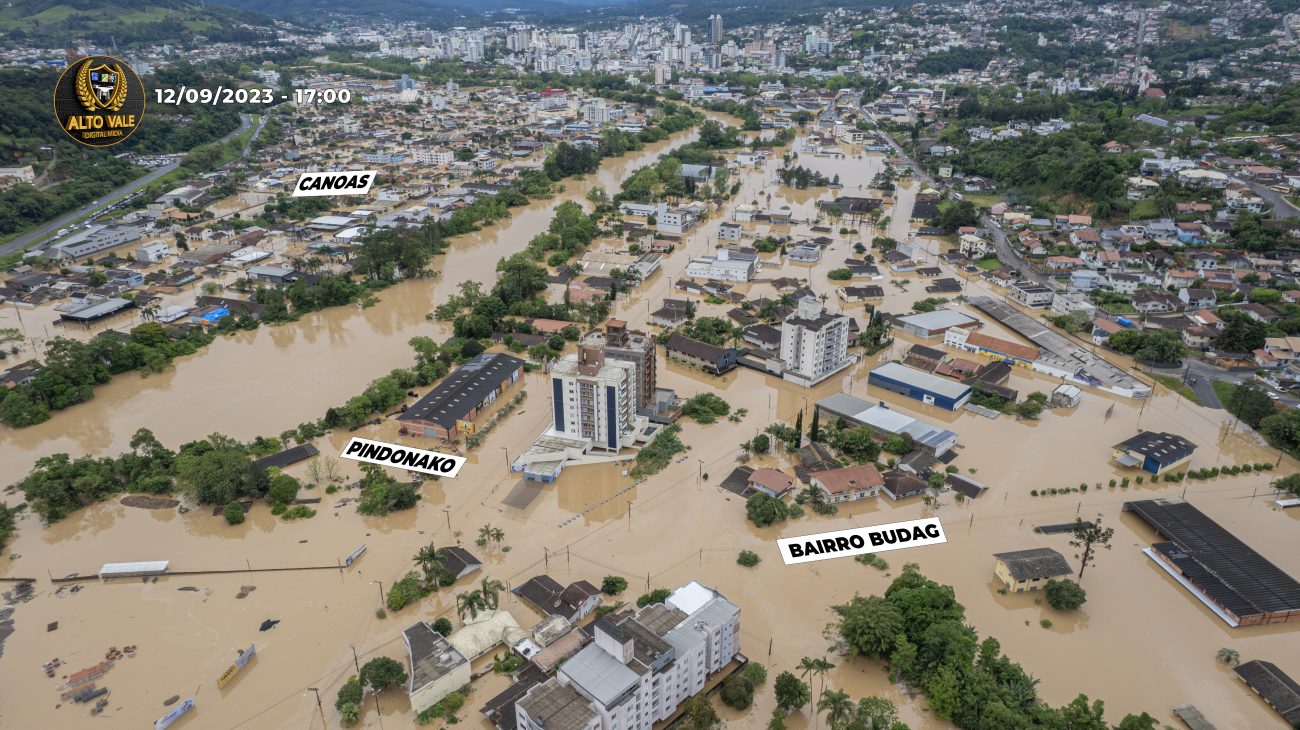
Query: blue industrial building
918	384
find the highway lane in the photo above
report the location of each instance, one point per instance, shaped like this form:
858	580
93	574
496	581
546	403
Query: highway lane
44	230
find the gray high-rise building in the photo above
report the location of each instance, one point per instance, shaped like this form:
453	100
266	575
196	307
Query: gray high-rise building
715	29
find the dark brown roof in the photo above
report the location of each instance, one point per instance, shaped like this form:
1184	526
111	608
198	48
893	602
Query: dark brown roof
1035	564
1274	687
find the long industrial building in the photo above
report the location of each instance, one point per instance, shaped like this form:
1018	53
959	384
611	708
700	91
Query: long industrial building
918	384
1238	584
886	422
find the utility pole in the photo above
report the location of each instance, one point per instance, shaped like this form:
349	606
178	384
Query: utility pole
320	707
355	660
381	592
546	555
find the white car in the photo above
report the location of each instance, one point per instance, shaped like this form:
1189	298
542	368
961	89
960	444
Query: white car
1274	396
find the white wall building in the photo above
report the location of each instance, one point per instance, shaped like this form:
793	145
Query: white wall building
639	670
722	267
434	156
814	343
595	398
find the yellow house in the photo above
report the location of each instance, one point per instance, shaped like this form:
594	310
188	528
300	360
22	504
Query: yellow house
1029	570
437	668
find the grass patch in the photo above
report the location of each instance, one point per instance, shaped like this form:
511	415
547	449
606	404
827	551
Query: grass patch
1143	210
982	200
989	264
1224	390
1179	386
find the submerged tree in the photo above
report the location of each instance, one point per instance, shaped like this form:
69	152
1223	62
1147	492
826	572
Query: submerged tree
1088	538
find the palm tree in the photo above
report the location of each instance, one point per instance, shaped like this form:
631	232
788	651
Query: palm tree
470	602
431	561
485	535
837	705
1229	656
820	668
806	666
498	535
491	591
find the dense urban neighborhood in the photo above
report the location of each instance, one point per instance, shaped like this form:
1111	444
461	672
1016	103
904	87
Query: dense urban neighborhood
427	364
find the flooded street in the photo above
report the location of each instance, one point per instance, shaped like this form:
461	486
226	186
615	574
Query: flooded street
675	527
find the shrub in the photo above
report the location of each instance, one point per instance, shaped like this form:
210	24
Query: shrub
1046	623
1033	492
1138	480
748	558
1112	483
658	595
298	512
408	589
442	626
756	673
234	513
613	585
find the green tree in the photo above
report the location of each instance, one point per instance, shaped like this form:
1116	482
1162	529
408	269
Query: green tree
613	585
737	692
470	602
1289	484
348	702
870	626
233	512
1249	403
748	558
431	561
383	672
700	714
1065	594
837	705
792	693
763	510
1088	538
283	489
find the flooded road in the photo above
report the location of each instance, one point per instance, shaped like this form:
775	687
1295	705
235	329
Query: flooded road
675	527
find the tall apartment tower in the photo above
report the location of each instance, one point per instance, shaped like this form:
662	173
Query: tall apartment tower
814	343
715	29
595	398
631	346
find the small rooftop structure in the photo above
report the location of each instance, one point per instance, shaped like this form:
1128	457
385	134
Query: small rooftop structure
436	667
1029	569
1273	686
132	570
1154	451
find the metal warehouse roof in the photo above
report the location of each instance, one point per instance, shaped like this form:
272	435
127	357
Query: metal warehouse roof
921	379
1165	448
886	419
463	390
1226	569
938	319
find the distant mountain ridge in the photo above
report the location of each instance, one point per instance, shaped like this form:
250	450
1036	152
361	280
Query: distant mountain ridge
125	23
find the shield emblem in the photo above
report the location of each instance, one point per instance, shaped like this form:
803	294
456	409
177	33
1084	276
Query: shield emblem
101	87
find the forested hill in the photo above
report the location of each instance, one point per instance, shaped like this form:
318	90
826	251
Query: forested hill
126	24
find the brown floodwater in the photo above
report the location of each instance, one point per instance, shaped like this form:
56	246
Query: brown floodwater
674	527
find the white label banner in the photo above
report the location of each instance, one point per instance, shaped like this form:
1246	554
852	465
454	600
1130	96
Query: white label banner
403	457
861	540
334	183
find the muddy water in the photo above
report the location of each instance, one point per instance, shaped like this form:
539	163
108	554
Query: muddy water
679	527
290	373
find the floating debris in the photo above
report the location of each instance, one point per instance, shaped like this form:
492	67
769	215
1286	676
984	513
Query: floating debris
146	502
171	700
269	624
188	588
52	626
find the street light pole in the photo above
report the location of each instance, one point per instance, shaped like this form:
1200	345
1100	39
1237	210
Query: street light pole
381	592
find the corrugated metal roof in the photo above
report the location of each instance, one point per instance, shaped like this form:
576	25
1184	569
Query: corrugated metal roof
150	567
